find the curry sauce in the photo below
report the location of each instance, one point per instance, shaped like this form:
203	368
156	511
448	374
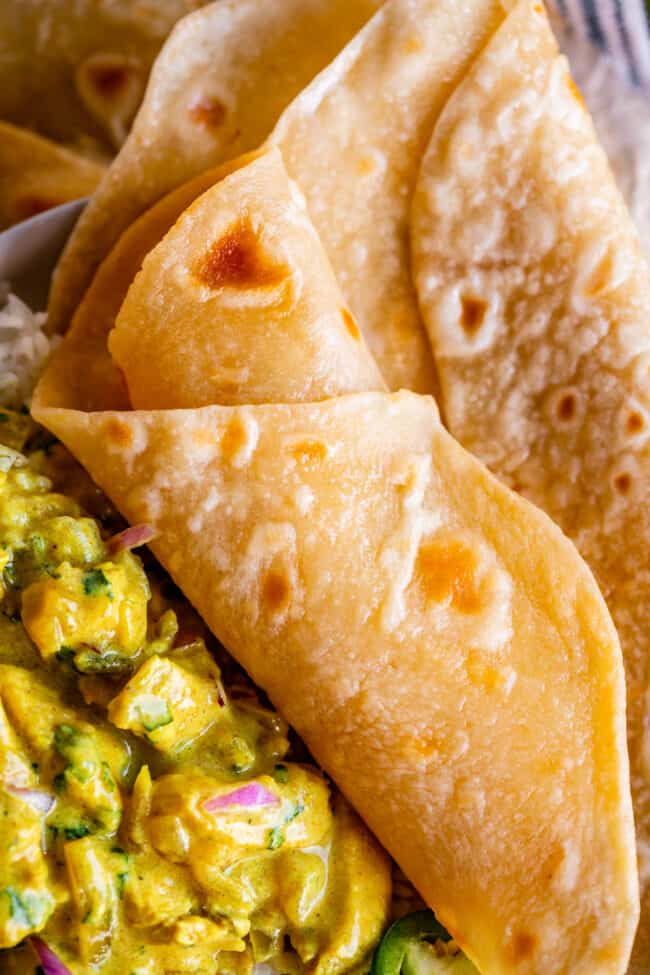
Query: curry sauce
155	818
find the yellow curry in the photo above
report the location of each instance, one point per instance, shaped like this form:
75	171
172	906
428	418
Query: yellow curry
155	818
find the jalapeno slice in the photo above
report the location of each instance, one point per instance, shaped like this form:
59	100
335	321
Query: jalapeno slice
407	948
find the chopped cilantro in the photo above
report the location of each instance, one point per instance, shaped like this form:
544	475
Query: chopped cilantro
297	809
95	583
120	881
276	838
281	773
66	736
65	654
76	832
59	783
37	544
107	777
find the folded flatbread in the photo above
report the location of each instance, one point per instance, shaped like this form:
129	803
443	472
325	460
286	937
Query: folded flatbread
217	88
436	640
537	299
353	139
36	174
76	71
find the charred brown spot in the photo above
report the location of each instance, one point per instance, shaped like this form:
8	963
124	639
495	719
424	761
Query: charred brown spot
119	433
473	312
108	79
523	946
237	260
208	111
276	590
623	483
447	570
635	423
309	451
350	324
233	439
29	206
566	407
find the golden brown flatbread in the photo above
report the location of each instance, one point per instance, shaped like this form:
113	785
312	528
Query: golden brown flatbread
536	295
217	88
436	640
353	141
75	70
36	174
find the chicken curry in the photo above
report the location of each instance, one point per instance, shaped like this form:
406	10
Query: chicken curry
155	816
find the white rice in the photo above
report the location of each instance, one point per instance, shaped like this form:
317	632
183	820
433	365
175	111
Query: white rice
24	348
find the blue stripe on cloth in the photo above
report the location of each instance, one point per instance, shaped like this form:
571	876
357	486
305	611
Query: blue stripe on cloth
593	23
625	41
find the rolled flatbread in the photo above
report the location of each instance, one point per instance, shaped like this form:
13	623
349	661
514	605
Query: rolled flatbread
222	79
435	639
536	296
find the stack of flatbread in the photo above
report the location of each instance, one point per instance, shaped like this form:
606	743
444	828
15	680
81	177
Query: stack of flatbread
251	347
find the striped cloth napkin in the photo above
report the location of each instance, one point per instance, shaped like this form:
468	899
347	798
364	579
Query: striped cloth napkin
621	28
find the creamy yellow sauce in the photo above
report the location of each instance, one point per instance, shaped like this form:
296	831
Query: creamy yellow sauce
154	817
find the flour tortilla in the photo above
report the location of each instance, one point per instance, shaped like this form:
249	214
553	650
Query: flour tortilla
438	643
75	70
536	296
190	321
83	375
353	141
36	174
221	81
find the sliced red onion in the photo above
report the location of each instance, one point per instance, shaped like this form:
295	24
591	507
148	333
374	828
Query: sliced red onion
247	796
131	537
37	799
51	963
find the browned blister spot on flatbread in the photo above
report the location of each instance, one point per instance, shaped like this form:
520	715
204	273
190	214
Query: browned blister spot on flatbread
635	423
350	324
237	260
118	433
233	439
622	482
208	111
566	407
309	451
522	946
446	570
473	312
108	79
276	590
